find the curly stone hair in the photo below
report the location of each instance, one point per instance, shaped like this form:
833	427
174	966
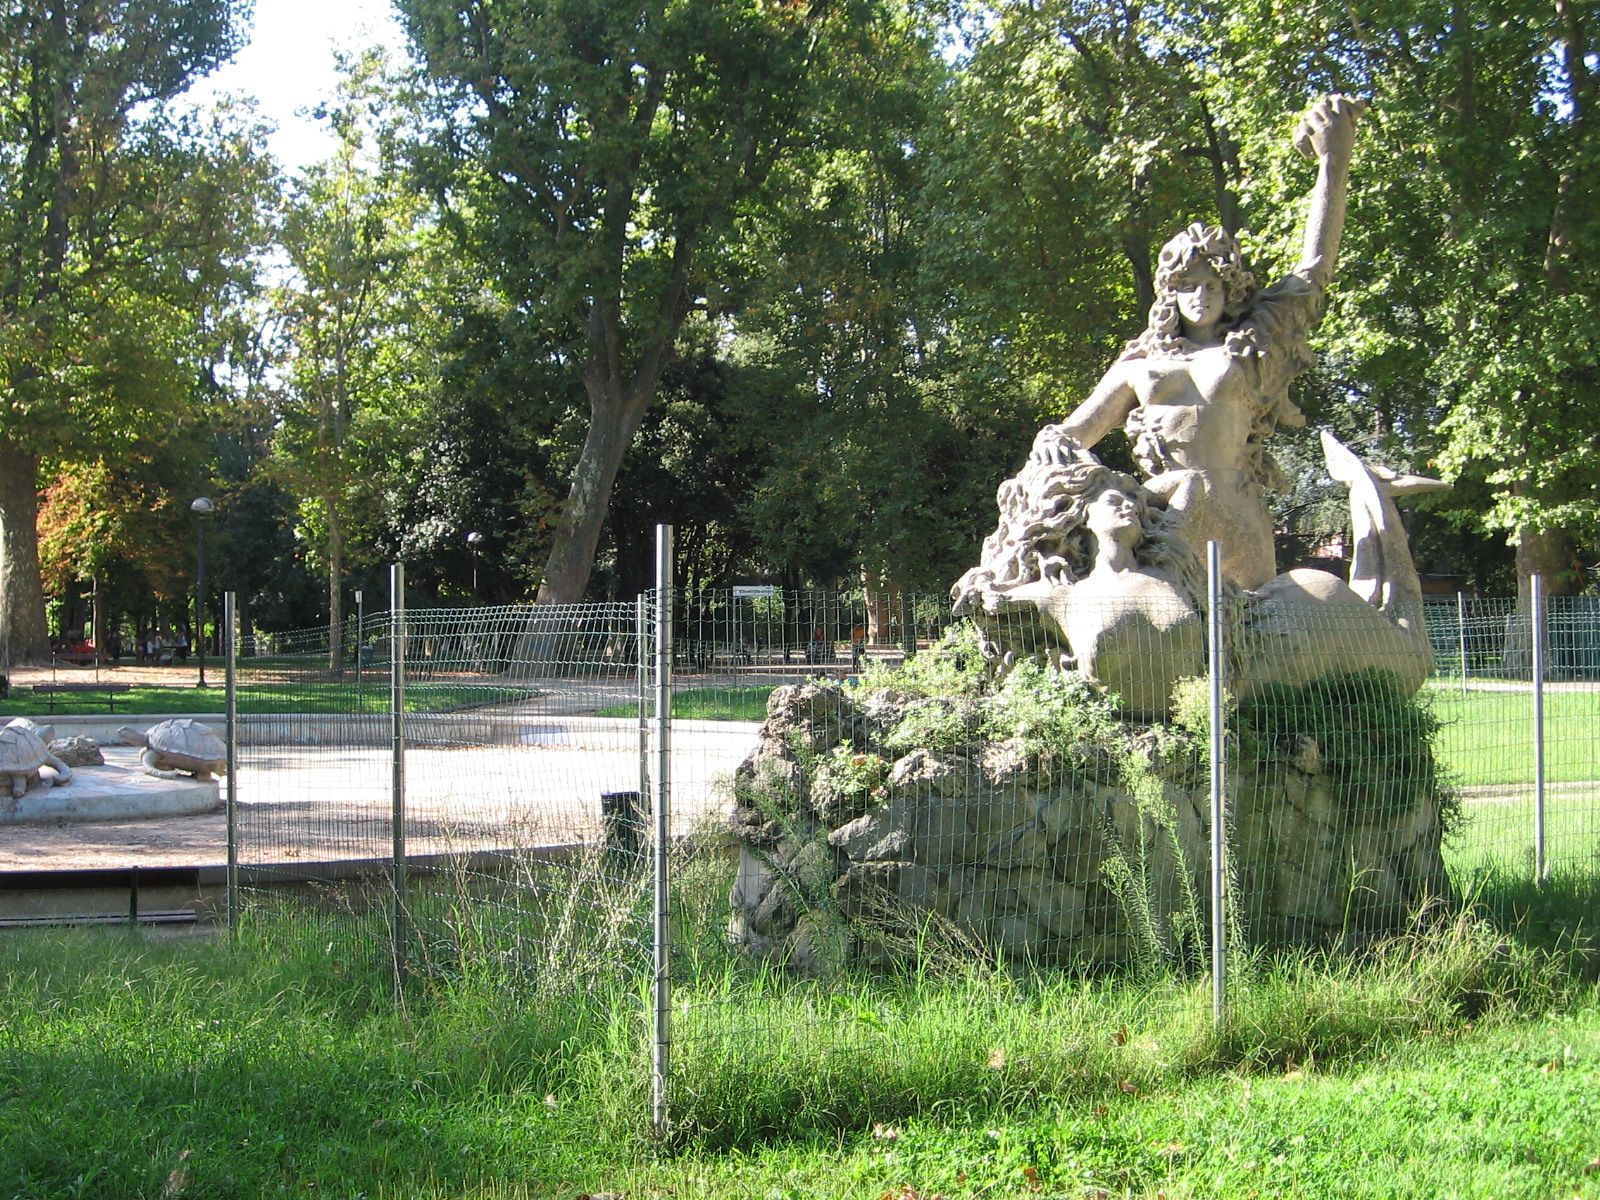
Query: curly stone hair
1041	536
1198	245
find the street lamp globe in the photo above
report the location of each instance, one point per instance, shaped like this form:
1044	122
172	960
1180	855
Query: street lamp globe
474	542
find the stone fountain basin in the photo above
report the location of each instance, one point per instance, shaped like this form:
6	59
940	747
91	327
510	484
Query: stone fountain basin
109	793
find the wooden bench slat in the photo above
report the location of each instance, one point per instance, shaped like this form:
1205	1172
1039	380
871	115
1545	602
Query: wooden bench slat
106	692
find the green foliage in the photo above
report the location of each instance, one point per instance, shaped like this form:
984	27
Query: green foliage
1461	312
129	226
1057	719
851	779
953	666
1373	741
939	725
1191	708
600	162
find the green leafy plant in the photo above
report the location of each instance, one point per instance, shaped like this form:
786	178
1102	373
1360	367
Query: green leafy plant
1372	740
953	666
847	781
1057	719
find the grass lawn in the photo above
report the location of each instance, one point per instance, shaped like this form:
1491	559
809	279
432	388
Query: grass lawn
708	704
1486	737
297	697
280	1066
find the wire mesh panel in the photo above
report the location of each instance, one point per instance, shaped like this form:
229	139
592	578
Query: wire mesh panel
901	819
883	812
1341	805
312	824
525	813
1523	751
935	800
520	792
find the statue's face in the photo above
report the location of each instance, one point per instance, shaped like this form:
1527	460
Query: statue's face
1113	515
1200	295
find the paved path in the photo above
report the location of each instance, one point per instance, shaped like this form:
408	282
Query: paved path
539	784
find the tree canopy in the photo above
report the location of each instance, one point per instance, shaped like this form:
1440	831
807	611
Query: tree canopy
126	226
799	276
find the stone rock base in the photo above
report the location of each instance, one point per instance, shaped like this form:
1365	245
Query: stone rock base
110	793
851	853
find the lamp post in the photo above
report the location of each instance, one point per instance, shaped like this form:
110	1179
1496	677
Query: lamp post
202	508
361	629
474	541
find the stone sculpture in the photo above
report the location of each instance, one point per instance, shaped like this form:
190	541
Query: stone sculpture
1207	382
179	746
78	751
24	750
1086	572
1094	853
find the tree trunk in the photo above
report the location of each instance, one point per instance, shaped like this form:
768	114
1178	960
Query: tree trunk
883	606
22	629
335	591
1547	553
614	416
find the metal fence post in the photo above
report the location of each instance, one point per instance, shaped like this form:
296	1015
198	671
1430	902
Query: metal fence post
641	625
230	651
1461	637
661	1060
1214	667
1540	863
397	760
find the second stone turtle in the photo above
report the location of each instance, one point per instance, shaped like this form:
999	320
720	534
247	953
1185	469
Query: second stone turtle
180	746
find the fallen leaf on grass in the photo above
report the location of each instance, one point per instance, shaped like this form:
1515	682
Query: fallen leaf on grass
1594	1167
178	1180
884	1133
1128	1088
997	1059
1121	1037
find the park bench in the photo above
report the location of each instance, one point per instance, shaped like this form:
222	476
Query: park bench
60	694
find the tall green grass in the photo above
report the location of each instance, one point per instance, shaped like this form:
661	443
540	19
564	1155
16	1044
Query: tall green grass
513	1059
281	1064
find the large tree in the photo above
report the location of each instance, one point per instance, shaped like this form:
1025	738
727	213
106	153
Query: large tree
597	156
120	218
360	322
1468	297
848	328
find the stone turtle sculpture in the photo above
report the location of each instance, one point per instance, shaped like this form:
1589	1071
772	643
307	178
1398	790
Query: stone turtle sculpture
24	749
180	746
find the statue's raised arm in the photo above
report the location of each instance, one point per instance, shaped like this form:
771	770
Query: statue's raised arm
1202	388
1327	134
